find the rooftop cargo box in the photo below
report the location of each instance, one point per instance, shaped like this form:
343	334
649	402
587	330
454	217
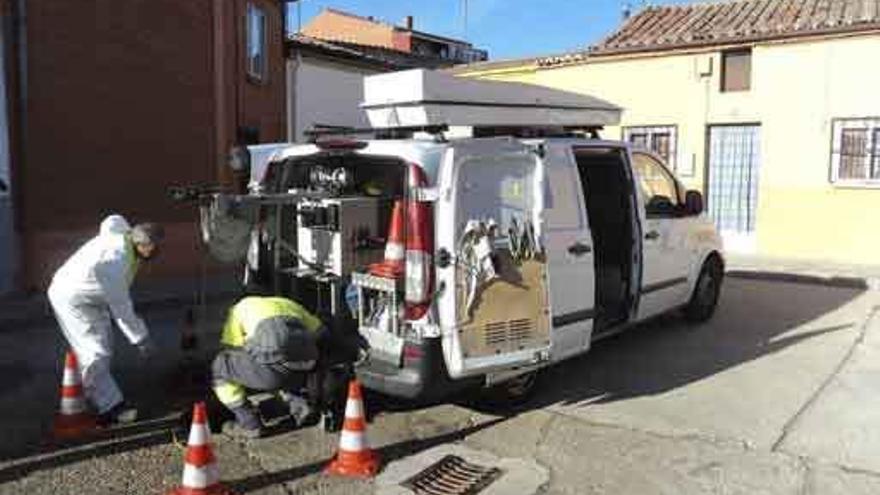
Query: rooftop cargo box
420	97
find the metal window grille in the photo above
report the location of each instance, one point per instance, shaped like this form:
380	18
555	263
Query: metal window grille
661	140
855	151
875	155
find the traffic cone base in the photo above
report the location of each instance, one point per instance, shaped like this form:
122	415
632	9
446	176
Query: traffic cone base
73	426
393	264
201	474
363	465
354	459
73	419
217	489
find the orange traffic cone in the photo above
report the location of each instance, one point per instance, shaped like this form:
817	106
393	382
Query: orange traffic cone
201	475
354	458
73	418
392	266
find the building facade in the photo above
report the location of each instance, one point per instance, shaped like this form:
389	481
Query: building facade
770	109
111	102
326	80
336	25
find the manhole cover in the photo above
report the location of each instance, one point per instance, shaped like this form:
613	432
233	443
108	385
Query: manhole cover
452	475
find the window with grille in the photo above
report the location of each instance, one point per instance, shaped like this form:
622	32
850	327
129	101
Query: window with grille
855	151
256	43
659	139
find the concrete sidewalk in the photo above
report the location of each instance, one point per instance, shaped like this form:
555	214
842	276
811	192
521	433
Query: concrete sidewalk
33	308
804	271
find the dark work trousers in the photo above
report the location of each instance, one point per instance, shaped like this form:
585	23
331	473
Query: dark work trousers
234	371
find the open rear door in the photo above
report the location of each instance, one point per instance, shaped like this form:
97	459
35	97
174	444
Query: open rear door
494	303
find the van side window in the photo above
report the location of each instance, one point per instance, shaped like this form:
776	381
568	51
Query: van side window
660	194
562	204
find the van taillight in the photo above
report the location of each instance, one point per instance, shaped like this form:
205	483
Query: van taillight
419	270
412	352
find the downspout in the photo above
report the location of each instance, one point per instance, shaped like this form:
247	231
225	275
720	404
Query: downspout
294	60
221	136
16	93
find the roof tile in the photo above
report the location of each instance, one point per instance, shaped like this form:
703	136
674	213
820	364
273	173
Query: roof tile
731	21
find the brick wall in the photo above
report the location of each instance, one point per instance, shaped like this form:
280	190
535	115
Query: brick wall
124	99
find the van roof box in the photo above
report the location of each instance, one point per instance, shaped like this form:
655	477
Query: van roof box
420	97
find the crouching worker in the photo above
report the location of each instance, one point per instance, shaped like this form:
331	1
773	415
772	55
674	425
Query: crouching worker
270	345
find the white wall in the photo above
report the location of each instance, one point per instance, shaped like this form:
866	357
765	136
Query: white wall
327	93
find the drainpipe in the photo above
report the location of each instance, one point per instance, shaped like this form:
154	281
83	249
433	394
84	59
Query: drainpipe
294	60
16	101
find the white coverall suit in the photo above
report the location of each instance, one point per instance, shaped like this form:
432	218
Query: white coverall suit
90	287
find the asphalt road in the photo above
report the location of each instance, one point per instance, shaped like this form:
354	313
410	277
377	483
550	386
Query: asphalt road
779	393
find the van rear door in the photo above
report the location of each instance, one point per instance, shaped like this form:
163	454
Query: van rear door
493	306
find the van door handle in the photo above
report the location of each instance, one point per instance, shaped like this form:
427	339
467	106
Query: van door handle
651	235
579	249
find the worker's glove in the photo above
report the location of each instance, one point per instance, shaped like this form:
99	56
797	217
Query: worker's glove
146	349
363	356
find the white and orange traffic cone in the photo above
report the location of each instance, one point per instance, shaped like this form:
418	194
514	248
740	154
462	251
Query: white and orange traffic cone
393	264
419	246
201	475
354	459
73	418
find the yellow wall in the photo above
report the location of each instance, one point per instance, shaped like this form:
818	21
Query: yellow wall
797	88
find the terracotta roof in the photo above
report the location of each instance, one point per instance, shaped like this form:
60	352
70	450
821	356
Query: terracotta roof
736	21
372	55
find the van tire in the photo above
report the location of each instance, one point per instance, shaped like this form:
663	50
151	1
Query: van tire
508	396
704	299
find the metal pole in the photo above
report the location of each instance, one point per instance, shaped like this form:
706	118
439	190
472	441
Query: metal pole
465	2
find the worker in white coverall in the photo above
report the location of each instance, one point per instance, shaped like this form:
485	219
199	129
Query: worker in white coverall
90	291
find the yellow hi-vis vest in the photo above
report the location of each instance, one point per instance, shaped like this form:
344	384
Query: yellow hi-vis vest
250	311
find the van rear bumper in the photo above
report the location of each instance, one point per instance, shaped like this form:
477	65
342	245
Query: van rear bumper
425	378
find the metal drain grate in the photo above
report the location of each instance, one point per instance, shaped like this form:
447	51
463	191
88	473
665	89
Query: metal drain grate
452	475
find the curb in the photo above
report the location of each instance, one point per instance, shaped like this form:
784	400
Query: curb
839	281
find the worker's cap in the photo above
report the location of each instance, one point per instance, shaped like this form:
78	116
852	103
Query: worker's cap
147	233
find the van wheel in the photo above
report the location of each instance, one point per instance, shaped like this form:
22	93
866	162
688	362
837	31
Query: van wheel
704	299
508	396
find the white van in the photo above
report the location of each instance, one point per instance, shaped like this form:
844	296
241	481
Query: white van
479	259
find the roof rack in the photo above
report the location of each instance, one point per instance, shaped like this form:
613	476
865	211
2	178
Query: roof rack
319	130
437	130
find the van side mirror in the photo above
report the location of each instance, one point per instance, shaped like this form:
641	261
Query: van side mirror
693	202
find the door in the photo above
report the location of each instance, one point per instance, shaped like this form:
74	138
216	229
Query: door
494	303
570	254
666	257
732	184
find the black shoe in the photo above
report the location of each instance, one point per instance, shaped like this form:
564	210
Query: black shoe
247	423
118	415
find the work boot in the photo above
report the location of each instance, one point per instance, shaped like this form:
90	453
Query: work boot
300	410
247	424
119	414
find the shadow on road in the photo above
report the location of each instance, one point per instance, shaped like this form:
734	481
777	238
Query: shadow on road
754	319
